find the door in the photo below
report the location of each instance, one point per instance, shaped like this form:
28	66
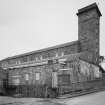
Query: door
54	80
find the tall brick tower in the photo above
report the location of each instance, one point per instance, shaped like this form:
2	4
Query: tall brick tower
88	32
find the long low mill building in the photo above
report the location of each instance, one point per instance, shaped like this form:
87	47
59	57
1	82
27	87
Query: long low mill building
59	69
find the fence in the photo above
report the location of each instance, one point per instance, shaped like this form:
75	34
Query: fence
45	91
81	86
27	91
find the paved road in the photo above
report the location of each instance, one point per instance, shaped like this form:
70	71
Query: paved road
90	99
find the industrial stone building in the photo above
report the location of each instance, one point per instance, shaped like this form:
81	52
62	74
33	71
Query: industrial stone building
40	73
3	81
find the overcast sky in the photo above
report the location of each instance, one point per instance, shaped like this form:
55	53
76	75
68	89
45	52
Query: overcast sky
28	25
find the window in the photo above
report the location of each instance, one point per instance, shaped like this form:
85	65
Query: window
4	64
51	54
31	57
56	55
24	59
45	55
37	76
67	52
41	58
37	58
26	76
96	72
61	53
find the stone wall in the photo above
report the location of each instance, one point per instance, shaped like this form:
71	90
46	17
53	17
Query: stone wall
39	75
45	54
88	31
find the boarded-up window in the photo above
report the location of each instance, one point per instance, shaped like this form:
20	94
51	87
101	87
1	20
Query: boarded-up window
50	62
12	61
37	76
16	81
64	79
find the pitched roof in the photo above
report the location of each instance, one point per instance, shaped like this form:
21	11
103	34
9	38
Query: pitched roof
42	50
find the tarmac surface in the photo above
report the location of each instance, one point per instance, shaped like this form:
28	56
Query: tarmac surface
97	98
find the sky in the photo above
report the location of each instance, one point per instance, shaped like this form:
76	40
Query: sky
28	25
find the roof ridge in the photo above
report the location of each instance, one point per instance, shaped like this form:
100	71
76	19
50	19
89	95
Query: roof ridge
42	50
